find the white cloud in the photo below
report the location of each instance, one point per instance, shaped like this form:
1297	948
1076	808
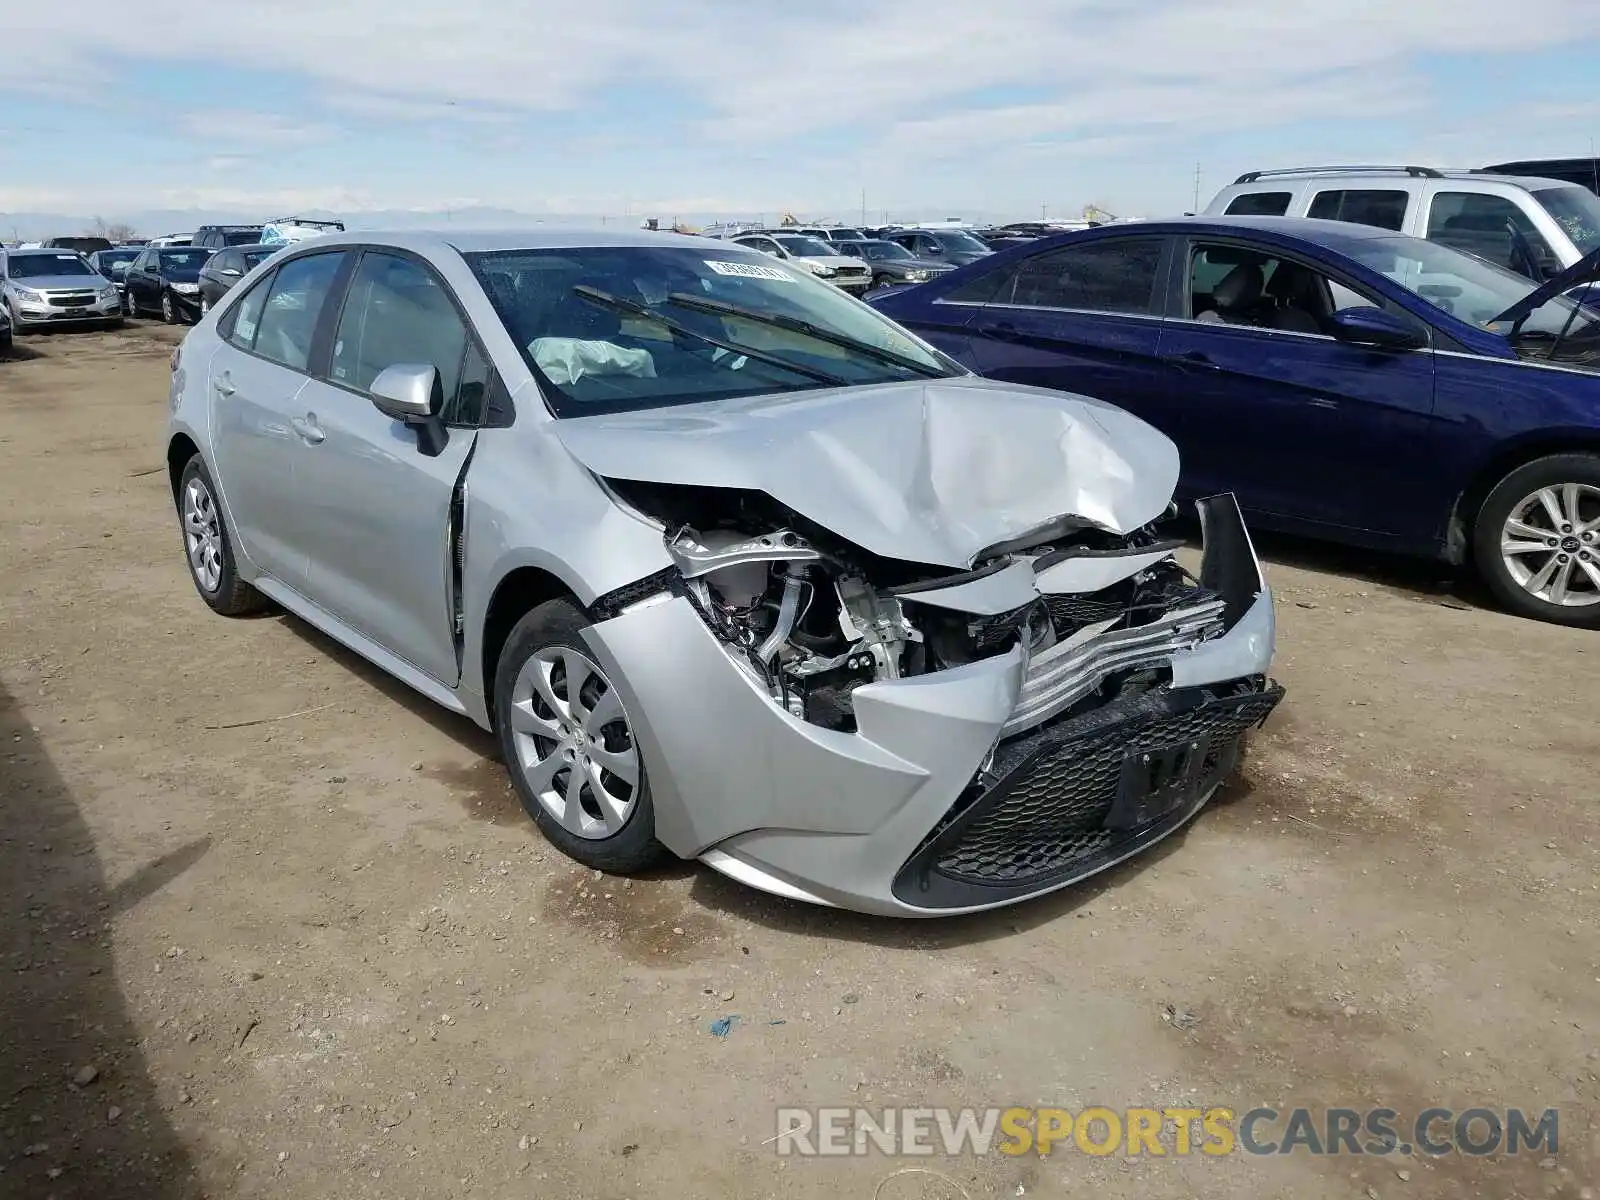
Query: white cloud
241	127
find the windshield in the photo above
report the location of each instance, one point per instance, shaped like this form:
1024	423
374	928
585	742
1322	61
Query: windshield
183	263
959	241
1577	211
805	247
42	266
847	235
1469	288
591	358
115	258
879	251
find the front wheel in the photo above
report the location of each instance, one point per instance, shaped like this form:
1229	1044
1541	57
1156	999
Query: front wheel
169	311
569	745
205	305
1537	540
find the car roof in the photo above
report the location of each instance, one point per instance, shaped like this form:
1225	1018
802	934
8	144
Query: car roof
1311	229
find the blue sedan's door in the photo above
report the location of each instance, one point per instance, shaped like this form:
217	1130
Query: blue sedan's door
1305	429
1084	318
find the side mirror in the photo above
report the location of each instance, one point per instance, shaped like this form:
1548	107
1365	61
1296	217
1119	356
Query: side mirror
406	391
1367	325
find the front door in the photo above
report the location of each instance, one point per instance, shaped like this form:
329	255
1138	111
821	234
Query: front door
1271	407
378	506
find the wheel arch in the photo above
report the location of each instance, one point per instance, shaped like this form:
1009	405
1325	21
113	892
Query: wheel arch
180	450
1506	459
518	593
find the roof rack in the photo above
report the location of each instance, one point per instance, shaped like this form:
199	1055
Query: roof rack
1414	172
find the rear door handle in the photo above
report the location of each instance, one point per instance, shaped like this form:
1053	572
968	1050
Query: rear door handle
308	429
224	385
1194	360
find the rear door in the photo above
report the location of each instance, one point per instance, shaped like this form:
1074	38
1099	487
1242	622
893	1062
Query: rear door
378	506
1300	426
257	437
1081	318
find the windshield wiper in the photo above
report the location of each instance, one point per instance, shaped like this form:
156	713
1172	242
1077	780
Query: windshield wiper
797	325
618	304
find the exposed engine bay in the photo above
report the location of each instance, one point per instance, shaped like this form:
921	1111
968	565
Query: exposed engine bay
813	617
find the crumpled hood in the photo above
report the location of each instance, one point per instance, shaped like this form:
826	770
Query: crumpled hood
931	472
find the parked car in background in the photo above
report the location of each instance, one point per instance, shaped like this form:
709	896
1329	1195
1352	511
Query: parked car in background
954	246
166	279
1344	381
113	264
214	237
226	267
1535	227
819	258
940	655
891	263
824	233
283	231
87	244
5	330
171	239
55	287
1585	172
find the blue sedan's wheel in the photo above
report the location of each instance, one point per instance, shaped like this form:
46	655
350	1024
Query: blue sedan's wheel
1538	540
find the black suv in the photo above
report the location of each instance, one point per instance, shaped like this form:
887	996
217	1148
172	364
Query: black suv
215	237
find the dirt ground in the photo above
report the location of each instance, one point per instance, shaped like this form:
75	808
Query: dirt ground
273	926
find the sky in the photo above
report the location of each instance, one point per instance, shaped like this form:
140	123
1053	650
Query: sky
711	107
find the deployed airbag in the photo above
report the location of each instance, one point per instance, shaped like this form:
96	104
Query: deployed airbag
566	360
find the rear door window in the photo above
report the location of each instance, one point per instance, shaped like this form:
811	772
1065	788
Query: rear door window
289	318
1259	204
1383	208
1113	275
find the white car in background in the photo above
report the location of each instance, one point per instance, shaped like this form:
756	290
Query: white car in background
815	256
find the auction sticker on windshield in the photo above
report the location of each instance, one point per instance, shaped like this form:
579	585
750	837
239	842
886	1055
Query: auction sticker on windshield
750	270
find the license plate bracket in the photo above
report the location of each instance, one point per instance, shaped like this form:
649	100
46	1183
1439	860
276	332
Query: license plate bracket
1157	781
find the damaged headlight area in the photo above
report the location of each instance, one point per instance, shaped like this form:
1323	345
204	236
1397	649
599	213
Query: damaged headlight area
812	617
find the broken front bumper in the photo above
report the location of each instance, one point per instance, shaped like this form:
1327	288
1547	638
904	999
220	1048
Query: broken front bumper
933	806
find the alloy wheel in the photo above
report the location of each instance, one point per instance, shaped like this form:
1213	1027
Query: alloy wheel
574	747
202	535
1550	544
167	313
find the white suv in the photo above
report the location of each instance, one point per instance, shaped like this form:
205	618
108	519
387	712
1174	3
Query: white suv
1536	227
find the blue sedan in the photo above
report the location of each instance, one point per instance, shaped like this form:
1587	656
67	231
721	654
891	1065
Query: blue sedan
1345	382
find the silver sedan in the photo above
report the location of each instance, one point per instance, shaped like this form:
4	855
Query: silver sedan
736	569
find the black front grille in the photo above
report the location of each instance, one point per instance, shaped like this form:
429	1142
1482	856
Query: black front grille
1069	799
71	299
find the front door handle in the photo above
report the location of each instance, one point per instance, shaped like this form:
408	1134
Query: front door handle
308	429
224	385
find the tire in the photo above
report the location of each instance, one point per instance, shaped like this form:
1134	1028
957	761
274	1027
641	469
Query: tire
1532	549
208	548
205	306
169	310
129	308
611	825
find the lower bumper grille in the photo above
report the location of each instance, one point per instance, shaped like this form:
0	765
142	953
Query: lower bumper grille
1077	796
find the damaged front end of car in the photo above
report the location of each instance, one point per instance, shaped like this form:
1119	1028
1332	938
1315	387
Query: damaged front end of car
827	723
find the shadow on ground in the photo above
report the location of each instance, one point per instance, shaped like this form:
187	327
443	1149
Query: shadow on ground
62	1015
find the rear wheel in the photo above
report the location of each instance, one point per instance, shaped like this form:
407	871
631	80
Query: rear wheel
569	745
1537	540
207	547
